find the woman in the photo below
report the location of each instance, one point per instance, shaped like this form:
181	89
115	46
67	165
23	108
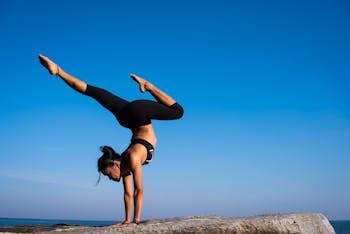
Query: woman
137	117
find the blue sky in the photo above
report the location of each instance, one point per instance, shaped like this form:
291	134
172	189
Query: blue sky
265	87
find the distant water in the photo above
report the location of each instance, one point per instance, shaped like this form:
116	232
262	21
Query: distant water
341	227
10	222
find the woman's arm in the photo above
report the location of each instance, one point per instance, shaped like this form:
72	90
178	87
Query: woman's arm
136	168
127	182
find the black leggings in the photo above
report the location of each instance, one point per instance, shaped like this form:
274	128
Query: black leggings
136	113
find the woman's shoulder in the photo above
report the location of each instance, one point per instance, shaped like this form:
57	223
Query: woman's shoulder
135	155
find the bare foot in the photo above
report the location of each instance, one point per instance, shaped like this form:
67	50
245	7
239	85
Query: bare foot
49	65
142	82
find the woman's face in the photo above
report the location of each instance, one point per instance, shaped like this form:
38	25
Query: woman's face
113	172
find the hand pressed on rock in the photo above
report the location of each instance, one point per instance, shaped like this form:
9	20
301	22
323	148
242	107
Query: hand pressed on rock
123	224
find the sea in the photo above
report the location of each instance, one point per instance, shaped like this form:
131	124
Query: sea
11	222
340	226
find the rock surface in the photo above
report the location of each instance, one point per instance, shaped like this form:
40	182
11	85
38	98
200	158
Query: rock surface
308	223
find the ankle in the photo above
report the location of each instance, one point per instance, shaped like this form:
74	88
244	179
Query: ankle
148	86
58	70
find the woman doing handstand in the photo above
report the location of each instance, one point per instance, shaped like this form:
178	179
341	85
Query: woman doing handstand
136	116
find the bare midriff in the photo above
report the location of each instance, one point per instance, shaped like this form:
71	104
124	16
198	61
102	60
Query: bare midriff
145	132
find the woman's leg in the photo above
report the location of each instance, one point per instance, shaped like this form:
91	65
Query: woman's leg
108	100
54	69
158	94
165	109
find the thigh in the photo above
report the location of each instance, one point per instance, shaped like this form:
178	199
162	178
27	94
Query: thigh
155	110
108	100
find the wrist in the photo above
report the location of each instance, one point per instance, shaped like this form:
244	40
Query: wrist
136	221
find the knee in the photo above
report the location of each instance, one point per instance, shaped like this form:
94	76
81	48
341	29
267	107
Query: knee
179	110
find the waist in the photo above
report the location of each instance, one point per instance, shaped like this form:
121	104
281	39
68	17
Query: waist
145	132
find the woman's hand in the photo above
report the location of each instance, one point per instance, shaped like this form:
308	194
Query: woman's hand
124	224
130	224
116	225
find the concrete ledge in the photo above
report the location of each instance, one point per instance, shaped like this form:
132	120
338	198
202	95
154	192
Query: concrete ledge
305	223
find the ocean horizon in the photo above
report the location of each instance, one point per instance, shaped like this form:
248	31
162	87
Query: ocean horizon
340	226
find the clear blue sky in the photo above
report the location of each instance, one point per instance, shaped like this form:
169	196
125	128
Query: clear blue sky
265	87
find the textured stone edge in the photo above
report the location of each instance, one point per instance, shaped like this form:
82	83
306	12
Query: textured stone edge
308	223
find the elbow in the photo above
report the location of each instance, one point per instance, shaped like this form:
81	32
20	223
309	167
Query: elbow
127	195
138	192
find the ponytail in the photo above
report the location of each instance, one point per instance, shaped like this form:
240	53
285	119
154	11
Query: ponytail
106	160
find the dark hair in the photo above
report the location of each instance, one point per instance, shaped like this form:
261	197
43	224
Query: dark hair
107	159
